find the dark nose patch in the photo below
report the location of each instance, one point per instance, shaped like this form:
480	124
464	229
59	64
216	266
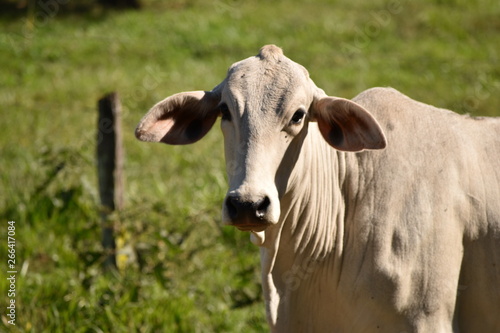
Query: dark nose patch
238	208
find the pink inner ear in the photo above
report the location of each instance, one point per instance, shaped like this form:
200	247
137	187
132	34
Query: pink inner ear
160	127
156	131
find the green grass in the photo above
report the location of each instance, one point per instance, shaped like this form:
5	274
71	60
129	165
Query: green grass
189	274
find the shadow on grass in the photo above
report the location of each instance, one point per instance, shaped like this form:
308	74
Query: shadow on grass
42	10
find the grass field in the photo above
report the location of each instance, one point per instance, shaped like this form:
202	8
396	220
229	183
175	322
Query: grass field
187	273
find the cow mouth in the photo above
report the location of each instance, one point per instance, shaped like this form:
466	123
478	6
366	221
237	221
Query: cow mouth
251	227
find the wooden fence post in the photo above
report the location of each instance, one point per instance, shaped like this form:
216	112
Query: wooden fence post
110	170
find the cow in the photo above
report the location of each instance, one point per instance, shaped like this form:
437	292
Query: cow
376	214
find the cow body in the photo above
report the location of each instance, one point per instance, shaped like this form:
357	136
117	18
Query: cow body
401	239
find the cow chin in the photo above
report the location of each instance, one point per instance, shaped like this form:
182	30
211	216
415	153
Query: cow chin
247	223
251	228
254	225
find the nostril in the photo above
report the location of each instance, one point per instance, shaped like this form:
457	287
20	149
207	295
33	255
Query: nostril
232	204
261	207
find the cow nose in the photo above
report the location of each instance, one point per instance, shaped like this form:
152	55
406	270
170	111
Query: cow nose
237	207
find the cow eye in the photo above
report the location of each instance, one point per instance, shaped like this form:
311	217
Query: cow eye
224	111
297	117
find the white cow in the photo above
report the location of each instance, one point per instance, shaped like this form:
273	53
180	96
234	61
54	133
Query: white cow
358	238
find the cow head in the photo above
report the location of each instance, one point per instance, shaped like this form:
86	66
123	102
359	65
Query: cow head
265	104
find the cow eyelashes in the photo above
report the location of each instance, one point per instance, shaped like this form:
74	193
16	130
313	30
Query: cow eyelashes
224	111
297	117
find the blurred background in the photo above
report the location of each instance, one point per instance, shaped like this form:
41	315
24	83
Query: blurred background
178	269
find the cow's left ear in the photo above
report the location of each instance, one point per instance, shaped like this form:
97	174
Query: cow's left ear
347	126
180	119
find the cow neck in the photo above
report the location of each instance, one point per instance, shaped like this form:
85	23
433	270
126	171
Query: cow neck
310	231
312	210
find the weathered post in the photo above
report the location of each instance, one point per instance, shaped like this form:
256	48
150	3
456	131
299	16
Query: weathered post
109	169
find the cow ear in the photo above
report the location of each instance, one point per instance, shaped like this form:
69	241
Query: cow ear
347	126
179	119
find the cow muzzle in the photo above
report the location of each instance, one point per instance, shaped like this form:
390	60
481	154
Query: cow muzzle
249	214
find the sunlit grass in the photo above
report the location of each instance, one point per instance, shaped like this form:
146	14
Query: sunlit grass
187	273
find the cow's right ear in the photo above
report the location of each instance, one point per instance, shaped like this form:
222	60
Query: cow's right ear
180	119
